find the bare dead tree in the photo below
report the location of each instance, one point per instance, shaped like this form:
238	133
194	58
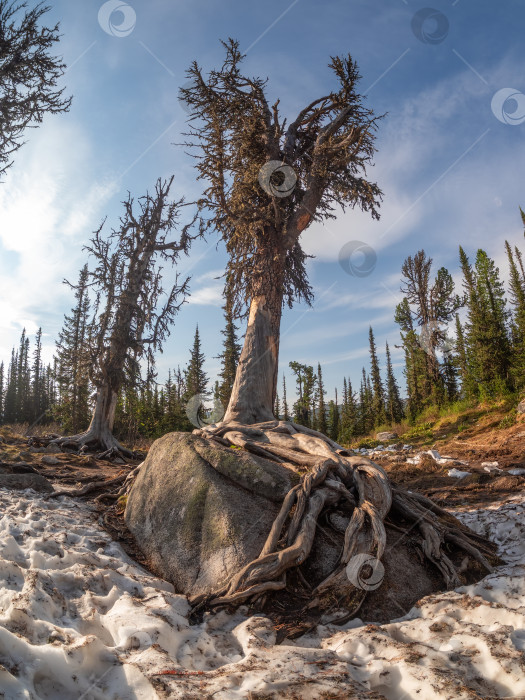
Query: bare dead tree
28	74
266	182
127	325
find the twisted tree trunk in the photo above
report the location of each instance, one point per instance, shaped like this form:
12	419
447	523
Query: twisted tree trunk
99	434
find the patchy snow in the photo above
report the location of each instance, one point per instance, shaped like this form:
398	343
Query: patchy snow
458	474
79	620
488	467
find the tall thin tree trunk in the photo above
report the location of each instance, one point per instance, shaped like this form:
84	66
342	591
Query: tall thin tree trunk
253	394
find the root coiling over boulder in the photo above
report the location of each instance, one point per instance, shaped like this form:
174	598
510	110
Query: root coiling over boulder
335	476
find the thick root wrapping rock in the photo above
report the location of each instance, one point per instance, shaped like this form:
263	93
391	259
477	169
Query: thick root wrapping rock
232	513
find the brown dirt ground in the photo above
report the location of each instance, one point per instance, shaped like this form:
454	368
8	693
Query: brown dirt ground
483	442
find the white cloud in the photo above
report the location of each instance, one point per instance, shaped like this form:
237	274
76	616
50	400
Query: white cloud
210	295
433	175
49	207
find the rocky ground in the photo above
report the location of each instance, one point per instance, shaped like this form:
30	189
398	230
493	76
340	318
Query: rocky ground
477	466
80	618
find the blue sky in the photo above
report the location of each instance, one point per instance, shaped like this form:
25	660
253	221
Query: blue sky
451	172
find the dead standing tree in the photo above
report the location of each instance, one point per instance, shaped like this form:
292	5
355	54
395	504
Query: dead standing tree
266	183
127	326
28	74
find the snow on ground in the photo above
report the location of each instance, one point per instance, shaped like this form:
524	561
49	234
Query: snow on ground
79	620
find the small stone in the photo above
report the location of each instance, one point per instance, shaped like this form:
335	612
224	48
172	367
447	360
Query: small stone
53	449
26	455
521	406
490	464
386	436
517	472
434	454
50	460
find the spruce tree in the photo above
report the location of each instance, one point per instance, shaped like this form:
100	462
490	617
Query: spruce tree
378	396
450	374
37	390
415	362
73	360
348	423
229	356
366	417
394	405
306	384
469	387
195	376
10	401
277	407
175	418
321	422
286	410
517	299
341	437
492	293
361	416
23	383
333	418
487	342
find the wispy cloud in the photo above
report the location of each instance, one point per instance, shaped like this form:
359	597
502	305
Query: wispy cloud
49	207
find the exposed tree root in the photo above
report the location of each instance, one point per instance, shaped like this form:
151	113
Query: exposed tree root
89	488
124	482
334	475
93	440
